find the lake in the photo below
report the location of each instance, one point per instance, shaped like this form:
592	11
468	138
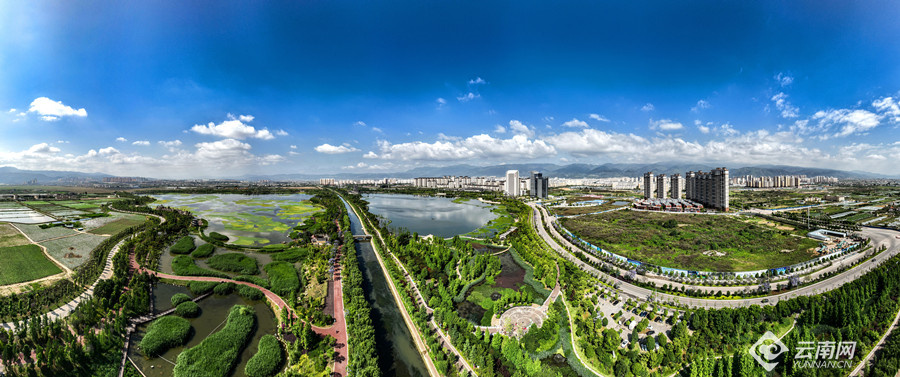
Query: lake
425	215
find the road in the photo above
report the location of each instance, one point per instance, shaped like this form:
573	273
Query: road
878	237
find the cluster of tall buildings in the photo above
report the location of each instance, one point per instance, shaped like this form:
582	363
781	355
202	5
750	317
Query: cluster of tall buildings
536	185
776	181
707	188
460	183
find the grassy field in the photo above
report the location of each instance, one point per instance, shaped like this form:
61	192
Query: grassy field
219	353
570	211
9	236
24	263
234	262
73	251
119	224
37	234
694	242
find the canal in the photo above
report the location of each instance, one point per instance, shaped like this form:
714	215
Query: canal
397	354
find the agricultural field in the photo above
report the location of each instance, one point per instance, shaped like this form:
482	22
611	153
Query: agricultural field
694	242
17	213
72	251
39	235
24	263
9	236
115	223
572	211
769	199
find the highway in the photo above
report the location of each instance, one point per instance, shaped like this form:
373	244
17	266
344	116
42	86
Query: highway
878	237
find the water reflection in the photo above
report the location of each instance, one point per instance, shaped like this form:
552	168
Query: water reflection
430	215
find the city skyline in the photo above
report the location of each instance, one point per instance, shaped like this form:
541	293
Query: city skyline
182	91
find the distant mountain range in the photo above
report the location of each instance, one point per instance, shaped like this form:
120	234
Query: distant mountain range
14	176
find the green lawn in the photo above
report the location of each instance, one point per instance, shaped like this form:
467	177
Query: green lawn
24	263
690	241
119	225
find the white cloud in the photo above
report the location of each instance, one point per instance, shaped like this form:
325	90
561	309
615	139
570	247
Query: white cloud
171	145
783	105
143	143
442	136
281	133
576	123
121	139
599	117
11	111
468	97
233	128
293	153
703	129
245	118
889	108
520	128
847	121
665	125
42	148
293	147
441	102
108	151
477	81
479	146
784	79
335	149
62	142
360	123
648	107
376	129
701	104
50	110
500	129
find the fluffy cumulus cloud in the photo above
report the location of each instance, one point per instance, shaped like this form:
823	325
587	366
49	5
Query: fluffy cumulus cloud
121	139
846	122
142	143
499	129
335	149
665	125
234	128
50	110
468	97
575	123
889	108
784	106
520	128
479	146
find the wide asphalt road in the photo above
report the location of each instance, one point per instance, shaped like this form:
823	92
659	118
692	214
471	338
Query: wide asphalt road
878	237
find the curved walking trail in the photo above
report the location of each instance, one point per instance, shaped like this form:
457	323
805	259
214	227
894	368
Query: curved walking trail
879	237
532	315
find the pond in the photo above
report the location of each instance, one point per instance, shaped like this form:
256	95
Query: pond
249	220
425	215
214	312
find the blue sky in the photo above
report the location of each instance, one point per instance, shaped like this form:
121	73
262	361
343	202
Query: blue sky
211	89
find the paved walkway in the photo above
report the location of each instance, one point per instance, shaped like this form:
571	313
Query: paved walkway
520	318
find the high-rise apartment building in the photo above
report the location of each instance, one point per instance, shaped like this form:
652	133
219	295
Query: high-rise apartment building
512	183
538	186
649	186
677	186
662	187
709	189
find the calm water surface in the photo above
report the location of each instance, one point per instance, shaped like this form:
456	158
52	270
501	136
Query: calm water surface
430	215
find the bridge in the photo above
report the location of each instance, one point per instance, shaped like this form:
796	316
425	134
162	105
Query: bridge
362	237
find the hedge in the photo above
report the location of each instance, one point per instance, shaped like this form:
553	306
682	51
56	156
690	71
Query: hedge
250	293
187	309
267	360
178	298
165	333
184	246
292	255
204	251
283	278
234	262
216	355
224	288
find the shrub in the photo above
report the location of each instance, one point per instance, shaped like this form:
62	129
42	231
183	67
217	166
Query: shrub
165	333
178	298
250	293
204	251
187	309
234	262
184	246
283	278
217	354
224	288
184	265
202	287
292	255
267	360
273	248
254	279
218	237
